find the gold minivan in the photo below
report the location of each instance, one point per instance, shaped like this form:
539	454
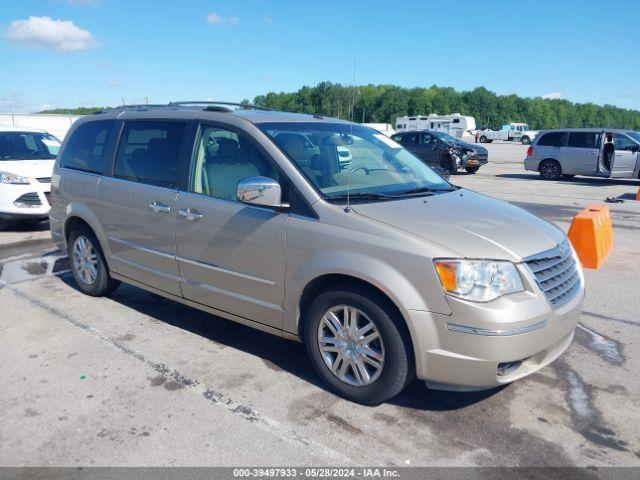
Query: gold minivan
383	269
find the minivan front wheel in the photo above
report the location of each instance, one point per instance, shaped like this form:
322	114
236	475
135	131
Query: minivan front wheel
356	346
550	170
88	266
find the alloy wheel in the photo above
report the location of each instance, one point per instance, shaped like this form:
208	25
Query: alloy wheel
351	345
85	260
549	170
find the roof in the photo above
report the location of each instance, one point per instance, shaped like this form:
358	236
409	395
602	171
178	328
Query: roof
594	129
11	128
202	111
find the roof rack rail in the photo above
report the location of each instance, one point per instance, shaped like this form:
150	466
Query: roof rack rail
134	106
213	103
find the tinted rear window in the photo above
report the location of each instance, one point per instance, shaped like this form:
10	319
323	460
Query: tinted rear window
148	152
87	148
583	140
552	139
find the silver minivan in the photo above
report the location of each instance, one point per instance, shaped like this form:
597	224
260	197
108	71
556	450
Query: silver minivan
593	152
383	269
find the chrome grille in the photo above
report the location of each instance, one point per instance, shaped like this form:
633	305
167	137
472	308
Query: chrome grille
556	273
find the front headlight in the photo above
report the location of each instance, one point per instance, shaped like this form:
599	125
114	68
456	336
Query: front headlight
12	179
478	280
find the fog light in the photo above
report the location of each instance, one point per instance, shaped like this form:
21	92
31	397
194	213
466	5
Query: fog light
507	368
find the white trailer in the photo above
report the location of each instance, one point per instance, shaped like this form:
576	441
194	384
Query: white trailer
455	124
514	132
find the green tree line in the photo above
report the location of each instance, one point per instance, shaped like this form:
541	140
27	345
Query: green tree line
383	103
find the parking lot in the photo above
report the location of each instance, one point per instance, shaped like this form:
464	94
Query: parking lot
135	379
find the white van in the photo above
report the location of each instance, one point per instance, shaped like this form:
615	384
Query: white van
27	156
455	124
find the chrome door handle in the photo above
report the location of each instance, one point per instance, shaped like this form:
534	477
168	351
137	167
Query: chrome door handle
618	154
190	214
159	207
592	153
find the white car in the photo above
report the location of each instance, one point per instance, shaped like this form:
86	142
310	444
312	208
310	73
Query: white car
27	156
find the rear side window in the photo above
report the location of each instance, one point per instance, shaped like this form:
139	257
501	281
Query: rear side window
552	139
148	152
86	150
583	140
410	138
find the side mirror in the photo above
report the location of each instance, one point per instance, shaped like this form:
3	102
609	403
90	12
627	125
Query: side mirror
261	191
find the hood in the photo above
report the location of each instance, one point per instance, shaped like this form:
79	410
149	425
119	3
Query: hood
470	146
28	168
470	224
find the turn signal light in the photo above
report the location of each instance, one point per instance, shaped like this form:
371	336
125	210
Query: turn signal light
530	151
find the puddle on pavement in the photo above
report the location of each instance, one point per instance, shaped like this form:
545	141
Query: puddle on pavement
606	348
24	269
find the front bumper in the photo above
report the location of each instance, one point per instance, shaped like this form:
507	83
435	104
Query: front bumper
27	201
518	334
475	161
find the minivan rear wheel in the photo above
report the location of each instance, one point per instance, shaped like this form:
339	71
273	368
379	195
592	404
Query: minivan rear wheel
88	265
550	170
356	345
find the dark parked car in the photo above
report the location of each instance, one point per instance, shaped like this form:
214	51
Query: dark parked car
438	149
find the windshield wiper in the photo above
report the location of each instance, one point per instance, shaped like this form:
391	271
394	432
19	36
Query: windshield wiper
422	191
361	196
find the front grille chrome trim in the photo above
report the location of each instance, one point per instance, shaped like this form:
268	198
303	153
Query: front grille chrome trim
556	273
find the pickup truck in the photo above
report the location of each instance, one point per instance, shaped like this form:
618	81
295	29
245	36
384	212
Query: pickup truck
516	132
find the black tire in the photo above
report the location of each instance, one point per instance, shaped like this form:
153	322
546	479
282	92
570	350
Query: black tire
525	140
103	283
472	169
397	370
483	139
550	170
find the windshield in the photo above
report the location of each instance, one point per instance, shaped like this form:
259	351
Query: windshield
444	136
28	146
634	135
373	164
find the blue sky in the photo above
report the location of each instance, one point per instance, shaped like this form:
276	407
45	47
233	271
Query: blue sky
95	52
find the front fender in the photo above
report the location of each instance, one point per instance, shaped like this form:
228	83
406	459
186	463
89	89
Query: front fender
404	293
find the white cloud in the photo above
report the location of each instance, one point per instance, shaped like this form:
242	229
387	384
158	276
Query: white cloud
552	95
216	19
60	35
114	83
267	19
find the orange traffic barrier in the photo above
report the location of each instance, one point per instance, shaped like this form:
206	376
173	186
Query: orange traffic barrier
591	235
638	195
605	216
